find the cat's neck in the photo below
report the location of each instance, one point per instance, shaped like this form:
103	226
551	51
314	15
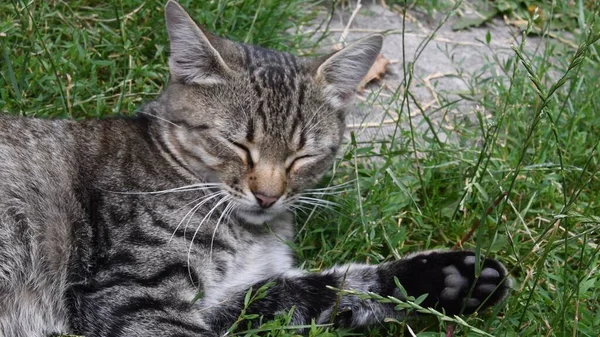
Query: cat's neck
127	152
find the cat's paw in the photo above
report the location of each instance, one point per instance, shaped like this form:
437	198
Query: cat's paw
464	292
449	278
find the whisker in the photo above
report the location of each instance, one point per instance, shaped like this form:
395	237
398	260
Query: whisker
316	205
312	205
207	216
303	209
323	193
333	187
318	201
161	118
235	205
189	203
212	240
196	210
193	211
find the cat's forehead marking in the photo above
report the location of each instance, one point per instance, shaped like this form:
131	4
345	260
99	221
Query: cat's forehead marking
278	90
258	57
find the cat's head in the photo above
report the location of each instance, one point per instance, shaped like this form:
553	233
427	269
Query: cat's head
264	124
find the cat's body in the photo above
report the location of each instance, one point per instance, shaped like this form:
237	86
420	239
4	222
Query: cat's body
79	237
111	228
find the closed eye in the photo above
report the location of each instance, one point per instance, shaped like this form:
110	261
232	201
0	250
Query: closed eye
246	150
296	161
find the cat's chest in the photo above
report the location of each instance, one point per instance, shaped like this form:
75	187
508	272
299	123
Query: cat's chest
256	259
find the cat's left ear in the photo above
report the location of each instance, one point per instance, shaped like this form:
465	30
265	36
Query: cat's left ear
341	72
193	59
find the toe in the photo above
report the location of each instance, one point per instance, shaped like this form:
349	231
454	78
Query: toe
455	281
473	302
490	273
469	260
450	294
486	288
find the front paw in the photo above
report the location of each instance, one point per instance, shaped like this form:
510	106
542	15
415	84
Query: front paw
449	279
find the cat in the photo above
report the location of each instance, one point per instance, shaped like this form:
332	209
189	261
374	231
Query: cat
113	227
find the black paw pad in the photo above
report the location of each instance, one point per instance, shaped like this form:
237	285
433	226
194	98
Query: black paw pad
449	278
464	292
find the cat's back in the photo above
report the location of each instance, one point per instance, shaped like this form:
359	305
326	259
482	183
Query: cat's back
33	133
37	170
34	154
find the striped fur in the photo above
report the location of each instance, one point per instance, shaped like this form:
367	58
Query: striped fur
112	227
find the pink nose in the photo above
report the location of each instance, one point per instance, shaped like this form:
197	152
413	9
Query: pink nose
265	201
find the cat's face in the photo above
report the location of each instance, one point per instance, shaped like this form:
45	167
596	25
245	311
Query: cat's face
265	125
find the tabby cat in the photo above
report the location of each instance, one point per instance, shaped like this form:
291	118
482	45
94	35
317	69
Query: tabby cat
112	227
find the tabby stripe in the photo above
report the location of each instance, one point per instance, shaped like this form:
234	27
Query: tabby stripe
201	240
189	153
341	116
248	60
294	127
121	258
187	125
257	89
100	242
270	74
135	305
261	112
262	53
188	326
172	270
288	107
301	89
293	59
164	148
250	130
288	64
138	237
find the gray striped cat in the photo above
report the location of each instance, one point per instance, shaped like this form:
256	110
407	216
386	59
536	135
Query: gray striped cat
112	227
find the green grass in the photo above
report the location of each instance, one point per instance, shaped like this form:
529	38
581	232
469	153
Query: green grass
85	59
535	138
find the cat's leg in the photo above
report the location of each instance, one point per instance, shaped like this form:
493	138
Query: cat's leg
447	277
128	309
30	289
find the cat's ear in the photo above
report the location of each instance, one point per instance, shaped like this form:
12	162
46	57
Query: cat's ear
193	58
342	72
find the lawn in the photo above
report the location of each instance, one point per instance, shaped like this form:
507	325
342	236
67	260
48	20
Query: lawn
523	176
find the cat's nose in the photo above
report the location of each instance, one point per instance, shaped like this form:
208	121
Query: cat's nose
265	201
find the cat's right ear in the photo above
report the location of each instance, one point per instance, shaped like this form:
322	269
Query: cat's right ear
341	73
193	60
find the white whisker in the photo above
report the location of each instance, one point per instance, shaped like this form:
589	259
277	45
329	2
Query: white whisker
235	204
161	118
189	203
193	210
316	205
303	209
333	187
317	201
212	240
207	216
196	210
323	193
